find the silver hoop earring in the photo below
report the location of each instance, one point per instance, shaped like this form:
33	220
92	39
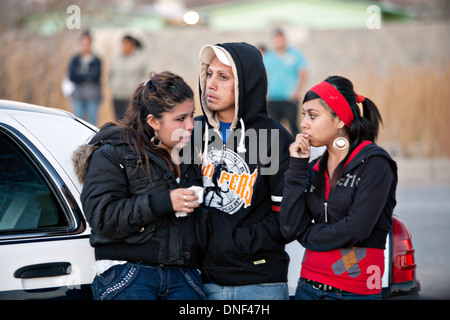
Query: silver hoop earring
340	143
156	143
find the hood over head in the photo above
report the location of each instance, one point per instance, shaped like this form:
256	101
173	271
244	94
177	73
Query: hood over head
250	81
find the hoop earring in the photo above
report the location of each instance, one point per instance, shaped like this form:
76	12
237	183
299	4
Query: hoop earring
340	143
156	143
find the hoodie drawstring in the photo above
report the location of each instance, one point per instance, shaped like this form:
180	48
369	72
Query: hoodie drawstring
240	149
205	148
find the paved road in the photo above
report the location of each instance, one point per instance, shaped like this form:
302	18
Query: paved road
426	210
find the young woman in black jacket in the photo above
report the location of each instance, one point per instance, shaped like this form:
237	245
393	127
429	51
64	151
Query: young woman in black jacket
146	228
339	207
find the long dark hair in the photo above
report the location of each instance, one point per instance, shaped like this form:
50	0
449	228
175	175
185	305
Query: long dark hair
364	126
161	93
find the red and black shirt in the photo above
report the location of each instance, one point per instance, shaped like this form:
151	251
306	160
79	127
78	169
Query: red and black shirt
343	228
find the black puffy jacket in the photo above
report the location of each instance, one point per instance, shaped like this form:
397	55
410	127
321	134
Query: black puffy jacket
131	216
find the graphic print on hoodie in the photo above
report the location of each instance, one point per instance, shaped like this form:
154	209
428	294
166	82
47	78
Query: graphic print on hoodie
227	181
243	179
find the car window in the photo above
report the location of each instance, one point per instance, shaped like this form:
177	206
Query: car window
26	200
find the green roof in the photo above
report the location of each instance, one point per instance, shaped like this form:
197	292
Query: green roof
314	14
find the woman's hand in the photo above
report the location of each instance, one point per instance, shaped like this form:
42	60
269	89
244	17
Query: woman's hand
301	147
184	200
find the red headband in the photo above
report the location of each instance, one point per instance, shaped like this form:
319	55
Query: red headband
359	98
335	100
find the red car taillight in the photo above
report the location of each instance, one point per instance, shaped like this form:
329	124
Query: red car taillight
404	266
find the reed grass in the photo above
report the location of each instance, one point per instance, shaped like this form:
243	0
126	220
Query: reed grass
414	106
413	100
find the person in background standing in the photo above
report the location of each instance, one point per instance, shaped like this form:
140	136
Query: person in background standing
128	68
85	72
287	76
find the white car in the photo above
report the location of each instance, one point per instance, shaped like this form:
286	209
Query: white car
44	238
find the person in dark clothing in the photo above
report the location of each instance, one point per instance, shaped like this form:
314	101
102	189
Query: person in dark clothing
339	206
146	225
244	157
84	71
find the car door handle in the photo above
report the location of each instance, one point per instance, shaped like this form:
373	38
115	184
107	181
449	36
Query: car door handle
43	270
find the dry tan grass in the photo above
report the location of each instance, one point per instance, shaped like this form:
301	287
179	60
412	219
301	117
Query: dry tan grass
412	99
413	103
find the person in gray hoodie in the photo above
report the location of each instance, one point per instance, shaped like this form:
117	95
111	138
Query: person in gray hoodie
127	70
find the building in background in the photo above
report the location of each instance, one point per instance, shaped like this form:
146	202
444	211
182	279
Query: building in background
49	16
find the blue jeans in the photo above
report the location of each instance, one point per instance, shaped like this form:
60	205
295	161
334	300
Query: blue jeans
137	281
306	291
86	110
262	291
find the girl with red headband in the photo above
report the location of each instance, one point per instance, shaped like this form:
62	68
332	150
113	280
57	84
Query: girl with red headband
339	206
